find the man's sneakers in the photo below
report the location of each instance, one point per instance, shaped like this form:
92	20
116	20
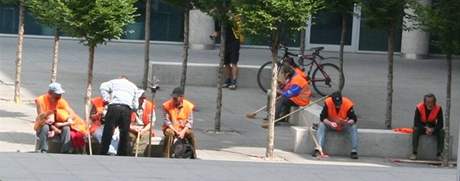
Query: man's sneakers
231	84
354	155
227	83
316	154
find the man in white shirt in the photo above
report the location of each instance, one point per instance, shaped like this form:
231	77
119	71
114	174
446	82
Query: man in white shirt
122	98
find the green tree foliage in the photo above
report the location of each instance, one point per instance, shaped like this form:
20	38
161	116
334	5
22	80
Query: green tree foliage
270	17
386	15
49	12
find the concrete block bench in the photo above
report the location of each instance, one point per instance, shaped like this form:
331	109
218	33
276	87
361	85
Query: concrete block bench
372	143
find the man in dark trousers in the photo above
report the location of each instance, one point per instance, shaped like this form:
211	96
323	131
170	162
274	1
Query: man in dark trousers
122	99
428	120
233	39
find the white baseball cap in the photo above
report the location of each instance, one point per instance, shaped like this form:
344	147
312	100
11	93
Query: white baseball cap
56	88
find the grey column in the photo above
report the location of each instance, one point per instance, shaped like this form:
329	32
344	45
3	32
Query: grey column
201	26
415	43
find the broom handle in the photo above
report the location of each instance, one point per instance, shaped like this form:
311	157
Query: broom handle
302	108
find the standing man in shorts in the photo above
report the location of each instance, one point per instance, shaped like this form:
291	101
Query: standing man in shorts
233	39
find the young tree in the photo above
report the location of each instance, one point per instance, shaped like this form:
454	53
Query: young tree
266	16
186	5
148	11
386	15
442	20
41	10
20	45
345	9
97	22
219	10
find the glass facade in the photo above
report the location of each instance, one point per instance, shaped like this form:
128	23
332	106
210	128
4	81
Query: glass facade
166	23
327	29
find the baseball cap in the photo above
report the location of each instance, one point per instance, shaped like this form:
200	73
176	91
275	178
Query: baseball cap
337	97
177	92
56	88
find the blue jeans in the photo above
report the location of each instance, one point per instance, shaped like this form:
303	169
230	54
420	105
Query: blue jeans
352	130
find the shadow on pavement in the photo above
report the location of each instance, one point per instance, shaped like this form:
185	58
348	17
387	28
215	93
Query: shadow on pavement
18	137
4	113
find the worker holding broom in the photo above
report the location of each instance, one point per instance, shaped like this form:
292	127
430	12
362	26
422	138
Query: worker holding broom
294	91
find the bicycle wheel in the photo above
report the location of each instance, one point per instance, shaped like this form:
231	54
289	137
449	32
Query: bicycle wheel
264	76
327	79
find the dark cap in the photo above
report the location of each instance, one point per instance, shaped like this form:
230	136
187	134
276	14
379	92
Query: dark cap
177	92
337	97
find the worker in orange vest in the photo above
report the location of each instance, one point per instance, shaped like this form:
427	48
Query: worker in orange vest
295	91
338	115
178	114
57	118
428	120
140	122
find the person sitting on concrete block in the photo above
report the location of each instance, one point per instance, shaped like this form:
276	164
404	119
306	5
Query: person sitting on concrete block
140	123
178	114
338	115
295	91
428	120
57	118
98	111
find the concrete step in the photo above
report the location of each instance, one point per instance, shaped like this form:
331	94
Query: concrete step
372	143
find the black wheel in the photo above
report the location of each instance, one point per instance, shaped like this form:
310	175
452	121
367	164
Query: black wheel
327	81
264	76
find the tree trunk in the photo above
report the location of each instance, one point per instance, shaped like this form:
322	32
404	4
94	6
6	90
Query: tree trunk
446	153
302	42
54	65
17	82
389	106
220	77
186	47
342	43
89	87
145	79
271	116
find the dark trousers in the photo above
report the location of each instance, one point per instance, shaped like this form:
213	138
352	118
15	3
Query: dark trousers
421	131
117	116
283	107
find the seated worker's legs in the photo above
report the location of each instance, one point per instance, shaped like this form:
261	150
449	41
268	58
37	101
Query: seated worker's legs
191	138
113	144
415	139
440	141
283	107
352	131
65	139
43	138
169	138
321	134
143	142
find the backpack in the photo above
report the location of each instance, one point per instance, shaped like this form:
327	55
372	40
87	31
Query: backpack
182	149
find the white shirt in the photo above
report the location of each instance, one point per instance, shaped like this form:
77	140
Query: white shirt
120	91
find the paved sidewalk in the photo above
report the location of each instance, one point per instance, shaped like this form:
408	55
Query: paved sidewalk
74	167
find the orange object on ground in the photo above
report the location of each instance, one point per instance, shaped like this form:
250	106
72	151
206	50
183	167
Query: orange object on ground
404	130
432	118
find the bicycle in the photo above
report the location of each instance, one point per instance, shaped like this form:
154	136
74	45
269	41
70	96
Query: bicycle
326	77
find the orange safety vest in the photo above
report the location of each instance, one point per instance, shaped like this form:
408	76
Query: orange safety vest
303	98
178	117
342	114
148	107
59	109
433	117
96	122
301	72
